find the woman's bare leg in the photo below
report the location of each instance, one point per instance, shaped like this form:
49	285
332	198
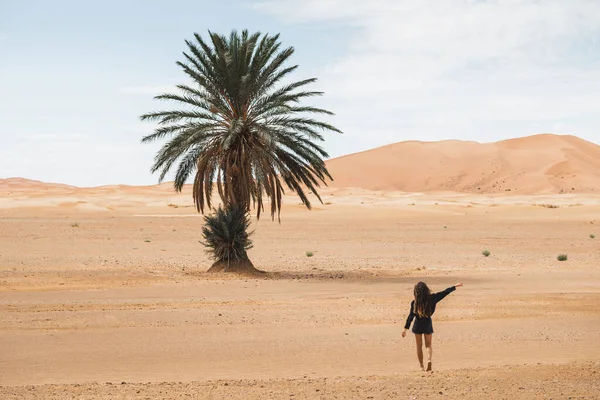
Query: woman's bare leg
419	340
428	346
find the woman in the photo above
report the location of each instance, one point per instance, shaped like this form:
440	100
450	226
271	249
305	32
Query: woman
423	307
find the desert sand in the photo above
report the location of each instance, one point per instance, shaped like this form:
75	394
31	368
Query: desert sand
103	292
537	164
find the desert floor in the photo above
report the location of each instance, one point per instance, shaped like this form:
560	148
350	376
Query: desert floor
103	295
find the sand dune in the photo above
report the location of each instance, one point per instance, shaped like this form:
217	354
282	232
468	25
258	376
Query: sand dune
18	185
26	193
539	164
12	185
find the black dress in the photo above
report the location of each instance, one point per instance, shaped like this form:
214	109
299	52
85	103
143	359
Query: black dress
424	325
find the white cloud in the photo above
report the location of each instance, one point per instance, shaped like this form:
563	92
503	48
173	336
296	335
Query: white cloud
139	129
57	136
149	89
476	70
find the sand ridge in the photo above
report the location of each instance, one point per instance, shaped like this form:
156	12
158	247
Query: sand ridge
543	164
539	164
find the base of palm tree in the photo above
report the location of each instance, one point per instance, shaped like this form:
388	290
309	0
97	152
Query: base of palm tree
241	266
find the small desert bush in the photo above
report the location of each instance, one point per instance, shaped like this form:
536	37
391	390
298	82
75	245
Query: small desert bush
75	225
592	236
309	254
486	253
147	240
562	257
549	205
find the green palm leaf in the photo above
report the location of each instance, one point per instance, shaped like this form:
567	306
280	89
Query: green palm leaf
238	127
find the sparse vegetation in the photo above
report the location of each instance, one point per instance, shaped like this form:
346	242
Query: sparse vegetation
309	254
75	225
172	205
147	240
486	253
549	205
562	257
227	238
592	236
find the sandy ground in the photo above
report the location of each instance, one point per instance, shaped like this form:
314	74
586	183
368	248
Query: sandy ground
103	295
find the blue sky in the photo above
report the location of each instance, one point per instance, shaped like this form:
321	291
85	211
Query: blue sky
76	75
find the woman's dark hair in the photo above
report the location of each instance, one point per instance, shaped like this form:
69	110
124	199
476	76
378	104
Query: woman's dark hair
422	300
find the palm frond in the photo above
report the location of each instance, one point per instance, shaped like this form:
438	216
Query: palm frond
226	233
235	126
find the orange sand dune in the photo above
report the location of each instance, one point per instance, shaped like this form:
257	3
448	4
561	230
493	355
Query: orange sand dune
538	164
20	184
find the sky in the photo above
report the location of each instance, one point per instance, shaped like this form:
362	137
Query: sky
76	75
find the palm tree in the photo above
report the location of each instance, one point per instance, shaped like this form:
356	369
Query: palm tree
239	126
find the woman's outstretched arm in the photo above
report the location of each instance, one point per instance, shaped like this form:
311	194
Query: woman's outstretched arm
440	295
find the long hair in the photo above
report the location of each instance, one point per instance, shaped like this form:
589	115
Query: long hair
422	300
